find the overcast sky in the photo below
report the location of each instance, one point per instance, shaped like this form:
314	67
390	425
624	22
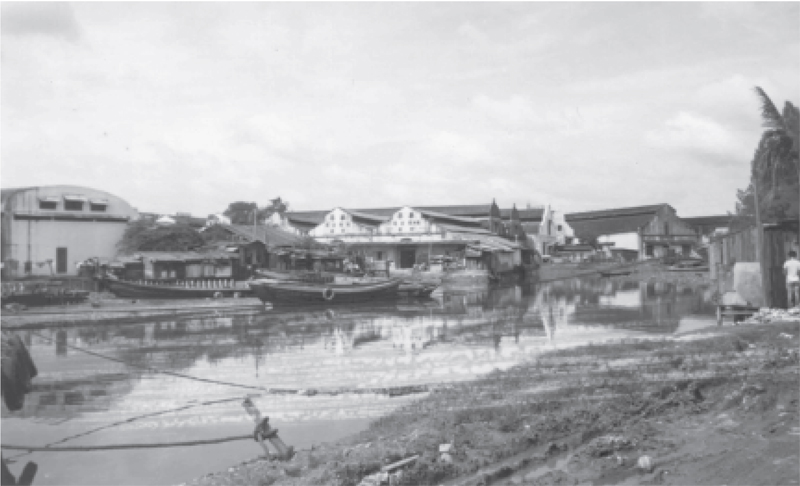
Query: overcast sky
190	106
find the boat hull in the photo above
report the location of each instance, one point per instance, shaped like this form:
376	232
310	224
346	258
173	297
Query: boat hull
132	290
46	298
303	293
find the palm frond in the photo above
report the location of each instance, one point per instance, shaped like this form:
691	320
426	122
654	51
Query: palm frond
791	121
770	116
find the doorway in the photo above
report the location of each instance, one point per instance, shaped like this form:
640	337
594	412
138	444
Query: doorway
61	260
408	258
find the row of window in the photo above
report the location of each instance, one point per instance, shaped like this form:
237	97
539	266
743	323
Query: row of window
410	215
72	206
410	222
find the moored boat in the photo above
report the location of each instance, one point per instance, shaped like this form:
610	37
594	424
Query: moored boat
278	292
186	290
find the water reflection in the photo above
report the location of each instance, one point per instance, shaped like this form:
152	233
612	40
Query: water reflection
458	335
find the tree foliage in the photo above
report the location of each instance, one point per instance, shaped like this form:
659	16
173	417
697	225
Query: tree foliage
775	167
241	212
143	236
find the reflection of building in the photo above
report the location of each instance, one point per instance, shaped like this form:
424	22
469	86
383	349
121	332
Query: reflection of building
47	230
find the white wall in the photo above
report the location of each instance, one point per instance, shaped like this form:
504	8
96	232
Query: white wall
37	240
628	241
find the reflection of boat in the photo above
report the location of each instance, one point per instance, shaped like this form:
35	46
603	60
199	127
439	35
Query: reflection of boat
618	273
689	266
417	289
41	293
314	293
122	288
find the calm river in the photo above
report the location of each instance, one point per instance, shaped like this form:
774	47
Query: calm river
83	399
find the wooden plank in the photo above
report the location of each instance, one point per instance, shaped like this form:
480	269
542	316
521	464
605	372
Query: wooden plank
399	464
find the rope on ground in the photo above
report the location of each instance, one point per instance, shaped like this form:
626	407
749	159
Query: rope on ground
126	446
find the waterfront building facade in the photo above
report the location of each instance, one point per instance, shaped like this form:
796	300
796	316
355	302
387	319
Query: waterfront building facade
49	230
653	231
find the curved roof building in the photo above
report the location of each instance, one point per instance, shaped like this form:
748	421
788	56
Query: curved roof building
48	230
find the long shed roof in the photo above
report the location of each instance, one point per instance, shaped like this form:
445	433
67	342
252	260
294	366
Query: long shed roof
591	224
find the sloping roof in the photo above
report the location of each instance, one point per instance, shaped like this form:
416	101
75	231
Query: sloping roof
369	217
270	235
491	241
449	217
530	215
719	221
463	229
179	256
531	228
612	213
591	224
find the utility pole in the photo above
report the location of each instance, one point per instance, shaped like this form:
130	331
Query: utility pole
760	240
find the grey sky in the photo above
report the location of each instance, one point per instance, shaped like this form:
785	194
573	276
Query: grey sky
190	106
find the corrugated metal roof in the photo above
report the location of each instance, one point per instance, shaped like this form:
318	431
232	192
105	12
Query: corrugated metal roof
592	224
449	217
371	217
614	213
270	235
463	229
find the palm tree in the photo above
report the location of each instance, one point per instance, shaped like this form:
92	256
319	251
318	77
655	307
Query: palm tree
777	152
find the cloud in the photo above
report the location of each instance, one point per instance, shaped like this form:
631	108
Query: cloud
55	19
692	132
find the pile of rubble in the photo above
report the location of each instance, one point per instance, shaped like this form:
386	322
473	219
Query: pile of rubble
766	315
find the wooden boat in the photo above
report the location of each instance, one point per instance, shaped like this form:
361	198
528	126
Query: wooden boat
41	293
188	290
618	273
279	292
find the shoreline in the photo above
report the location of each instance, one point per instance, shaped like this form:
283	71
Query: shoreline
115	310
587	414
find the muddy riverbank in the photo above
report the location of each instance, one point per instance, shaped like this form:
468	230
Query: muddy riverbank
717	406
649	271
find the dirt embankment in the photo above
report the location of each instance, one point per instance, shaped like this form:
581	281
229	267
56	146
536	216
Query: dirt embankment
650	271
718	407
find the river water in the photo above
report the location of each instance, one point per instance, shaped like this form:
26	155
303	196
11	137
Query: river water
102	384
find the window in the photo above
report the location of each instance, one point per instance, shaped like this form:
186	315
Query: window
45	204
400	215
73	205
74	202
560	228
332	217
379	255
98	205
648	250
666	228
410	215
342	217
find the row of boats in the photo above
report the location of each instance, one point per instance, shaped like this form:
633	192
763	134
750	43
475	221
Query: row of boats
278	288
